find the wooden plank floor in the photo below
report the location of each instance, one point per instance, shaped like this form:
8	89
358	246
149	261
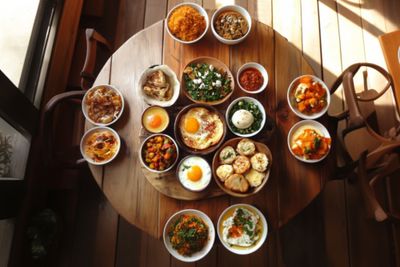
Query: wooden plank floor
333	230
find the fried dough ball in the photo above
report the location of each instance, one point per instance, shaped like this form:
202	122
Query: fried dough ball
224	171
237	183
254	177
241	164
227	155
246	147
259	162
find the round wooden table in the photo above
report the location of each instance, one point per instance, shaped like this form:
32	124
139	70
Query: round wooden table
292	184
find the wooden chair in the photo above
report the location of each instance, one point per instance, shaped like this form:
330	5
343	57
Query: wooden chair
373	164
69	157
92	39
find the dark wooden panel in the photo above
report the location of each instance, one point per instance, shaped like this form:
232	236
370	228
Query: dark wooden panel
130	20
11	195
128	246
302	239
57	75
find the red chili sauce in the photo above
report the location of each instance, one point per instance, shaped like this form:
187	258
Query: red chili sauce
251	79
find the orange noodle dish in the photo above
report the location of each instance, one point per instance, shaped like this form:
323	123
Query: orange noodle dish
188	234
309	144
186	23
103	104
101	146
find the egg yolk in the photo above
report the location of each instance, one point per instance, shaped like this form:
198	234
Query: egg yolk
155	121
191	125
194	173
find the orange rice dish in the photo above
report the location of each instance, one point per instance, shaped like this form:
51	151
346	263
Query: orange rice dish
186	23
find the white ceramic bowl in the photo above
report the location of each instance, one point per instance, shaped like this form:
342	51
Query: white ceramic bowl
147	110
202	12
243	250
200	254
85	107
290	98
302	125
173	79
235	8
258	67
207	179
145	165
259	105
97	129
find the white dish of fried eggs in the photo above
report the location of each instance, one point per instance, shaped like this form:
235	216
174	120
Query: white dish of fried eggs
200	128
194	173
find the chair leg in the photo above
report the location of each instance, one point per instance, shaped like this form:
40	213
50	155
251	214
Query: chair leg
372	206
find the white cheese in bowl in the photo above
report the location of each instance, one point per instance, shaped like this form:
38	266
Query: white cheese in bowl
242	119
247	234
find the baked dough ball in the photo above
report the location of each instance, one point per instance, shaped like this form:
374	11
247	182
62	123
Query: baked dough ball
254	177
237	183
227	155
224	171
241	164
246	147
259	162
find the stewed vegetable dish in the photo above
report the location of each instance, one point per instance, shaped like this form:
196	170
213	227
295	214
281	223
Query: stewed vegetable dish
309	96
188	234
309	144
231	25
159	153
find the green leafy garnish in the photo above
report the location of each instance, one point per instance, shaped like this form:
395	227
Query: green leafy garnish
253	109
205	83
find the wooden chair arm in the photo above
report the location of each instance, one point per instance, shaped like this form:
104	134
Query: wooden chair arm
92	38
46	130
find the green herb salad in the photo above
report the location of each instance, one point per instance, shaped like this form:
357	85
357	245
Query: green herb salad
204	82
249	106
188	234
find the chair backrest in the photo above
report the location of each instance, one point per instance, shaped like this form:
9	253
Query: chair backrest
361	111
374	164
50	158
92	39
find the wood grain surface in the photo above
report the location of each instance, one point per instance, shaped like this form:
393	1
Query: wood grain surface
333	229
292	184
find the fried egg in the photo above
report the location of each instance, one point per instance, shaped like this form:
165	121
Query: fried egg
194	173
155	119
201	128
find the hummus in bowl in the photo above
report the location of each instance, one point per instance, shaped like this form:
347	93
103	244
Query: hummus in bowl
242	229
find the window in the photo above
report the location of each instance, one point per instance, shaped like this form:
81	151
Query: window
16	23
26	33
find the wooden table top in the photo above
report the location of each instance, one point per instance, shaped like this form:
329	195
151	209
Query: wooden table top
292	184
